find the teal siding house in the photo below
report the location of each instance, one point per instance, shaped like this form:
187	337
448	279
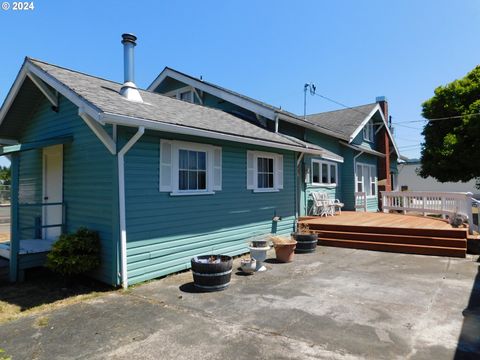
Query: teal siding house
182	169
360	153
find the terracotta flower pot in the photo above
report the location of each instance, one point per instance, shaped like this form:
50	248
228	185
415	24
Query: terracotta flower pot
285	252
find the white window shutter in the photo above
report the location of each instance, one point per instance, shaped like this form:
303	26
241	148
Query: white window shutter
217	168
279	172
250	170
166	155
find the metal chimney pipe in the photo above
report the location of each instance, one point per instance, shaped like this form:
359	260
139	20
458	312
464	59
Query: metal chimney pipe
128	57
129	89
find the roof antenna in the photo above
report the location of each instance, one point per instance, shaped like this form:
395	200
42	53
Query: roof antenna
308	86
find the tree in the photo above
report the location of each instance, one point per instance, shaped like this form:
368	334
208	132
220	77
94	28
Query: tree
5	175
451	151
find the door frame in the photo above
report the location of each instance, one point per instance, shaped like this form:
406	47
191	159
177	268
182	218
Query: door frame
58	148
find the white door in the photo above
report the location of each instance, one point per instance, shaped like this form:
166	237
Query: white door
52	190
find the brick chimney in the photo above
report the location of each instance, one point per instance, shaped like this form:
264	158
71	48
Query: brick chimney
383	141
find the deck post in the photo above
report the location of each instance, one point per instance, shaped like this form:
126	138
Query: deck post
468	205
14	234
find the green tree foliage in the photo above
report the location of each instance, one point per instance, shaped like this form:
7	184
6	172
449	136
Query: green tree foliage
5	175
451	151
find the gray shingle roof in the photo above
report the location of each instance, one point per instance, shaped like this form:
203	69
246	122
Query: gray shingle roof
104	95
343	122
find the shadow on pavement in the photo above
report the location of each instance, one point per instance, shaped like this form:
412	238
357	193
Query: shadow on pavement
469	341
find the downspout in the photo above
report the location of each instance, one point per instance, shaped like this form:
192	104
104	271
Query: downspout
298	183
121	200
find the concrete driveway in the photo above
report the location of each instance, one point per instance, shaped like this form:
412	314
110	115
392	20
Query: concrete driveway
334	304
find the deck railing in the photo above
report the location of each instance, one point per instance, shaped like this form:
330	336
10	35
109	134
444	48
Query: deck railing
429	202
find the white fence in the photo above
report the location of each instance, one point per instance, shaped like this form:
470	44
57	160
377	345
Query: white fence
425	202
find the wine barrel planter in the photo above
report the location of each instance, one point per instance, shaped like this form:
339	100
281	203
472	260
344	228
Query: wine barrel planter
212	272
306	243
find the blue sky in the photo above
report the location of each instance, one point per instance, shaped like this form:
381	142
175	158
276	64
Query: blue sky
352	50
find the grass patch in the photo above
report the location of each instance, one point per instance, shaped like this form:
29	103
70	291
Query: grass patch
42	321
4	356
44	291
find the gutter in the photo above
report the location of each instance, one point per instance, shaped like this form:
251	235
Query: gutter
113	119
121	200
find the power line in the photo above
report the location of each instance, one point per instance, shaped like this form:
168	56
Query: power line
396	122
438	119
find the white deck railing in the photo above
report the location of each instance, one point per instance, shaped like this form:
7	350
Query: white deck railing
429	202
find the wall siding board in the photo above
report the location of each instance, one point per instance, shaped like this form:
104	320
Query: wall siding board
87	177
164	232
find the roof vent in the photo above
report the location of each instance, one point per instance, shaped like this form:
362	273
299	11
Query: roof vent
129	89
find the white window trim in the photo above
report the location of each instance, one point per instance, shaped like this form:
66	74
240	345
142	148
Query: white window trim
268	155
177	93
375	179
369	131
328	163
183	145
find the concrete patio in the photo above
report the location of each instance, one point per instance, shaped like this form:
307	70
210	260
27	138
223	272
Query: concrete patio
337	303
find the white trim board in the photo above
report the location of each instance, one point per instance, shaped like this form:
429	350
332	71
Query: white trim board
178	129
213	90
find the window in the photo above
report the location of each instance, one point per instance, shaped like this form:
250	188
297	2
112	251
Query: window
368	131
264	171
324	172
184	94
190	168
366	179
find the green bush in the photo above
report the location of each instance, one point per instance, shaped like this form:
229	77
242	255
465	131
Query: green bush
76	253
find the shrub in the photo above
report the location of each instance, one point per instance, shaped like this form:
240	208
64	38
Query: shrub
76	253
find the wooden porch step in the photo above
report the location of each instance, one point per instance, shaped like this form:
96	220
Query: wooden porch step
422	232
394	247
393	238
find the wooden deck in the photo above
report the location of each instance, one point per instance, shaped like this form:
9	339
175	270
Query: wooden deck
390	232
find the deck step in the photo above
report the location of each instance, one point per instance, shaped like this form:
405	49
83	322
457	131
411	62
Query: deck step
393	238
395	247
440	233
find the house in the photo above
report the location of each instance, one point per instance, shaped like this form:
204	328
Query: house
408	179
182	169
361	153
160	179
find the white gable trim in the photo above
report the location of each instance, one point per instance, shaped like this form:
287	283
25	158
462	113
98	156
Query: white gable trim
29	68
367	119
222	94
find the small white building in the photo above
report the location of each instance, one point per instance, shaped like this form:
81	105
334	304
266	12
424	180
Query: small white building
409	180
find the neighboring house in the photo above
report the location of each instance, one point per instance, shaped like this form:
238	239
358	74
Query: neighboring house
160	179
361	154
408	179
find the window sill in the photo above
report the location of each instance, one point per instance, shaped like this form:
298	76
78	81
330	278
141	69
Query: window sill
187	193
324	185
265	190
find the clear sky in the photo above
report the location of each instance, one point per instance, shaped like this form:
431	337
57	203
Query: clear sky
352	50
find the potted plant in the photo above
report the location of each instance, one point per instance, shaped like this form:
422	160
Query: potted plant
306	241
75	254
212	272
284	248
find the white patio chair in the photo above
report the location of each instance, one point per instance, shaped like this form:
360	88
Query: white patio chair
361	201
322	205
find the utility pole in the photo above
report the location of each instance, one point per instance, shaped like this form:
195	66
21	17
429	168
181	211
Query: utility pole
312	88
